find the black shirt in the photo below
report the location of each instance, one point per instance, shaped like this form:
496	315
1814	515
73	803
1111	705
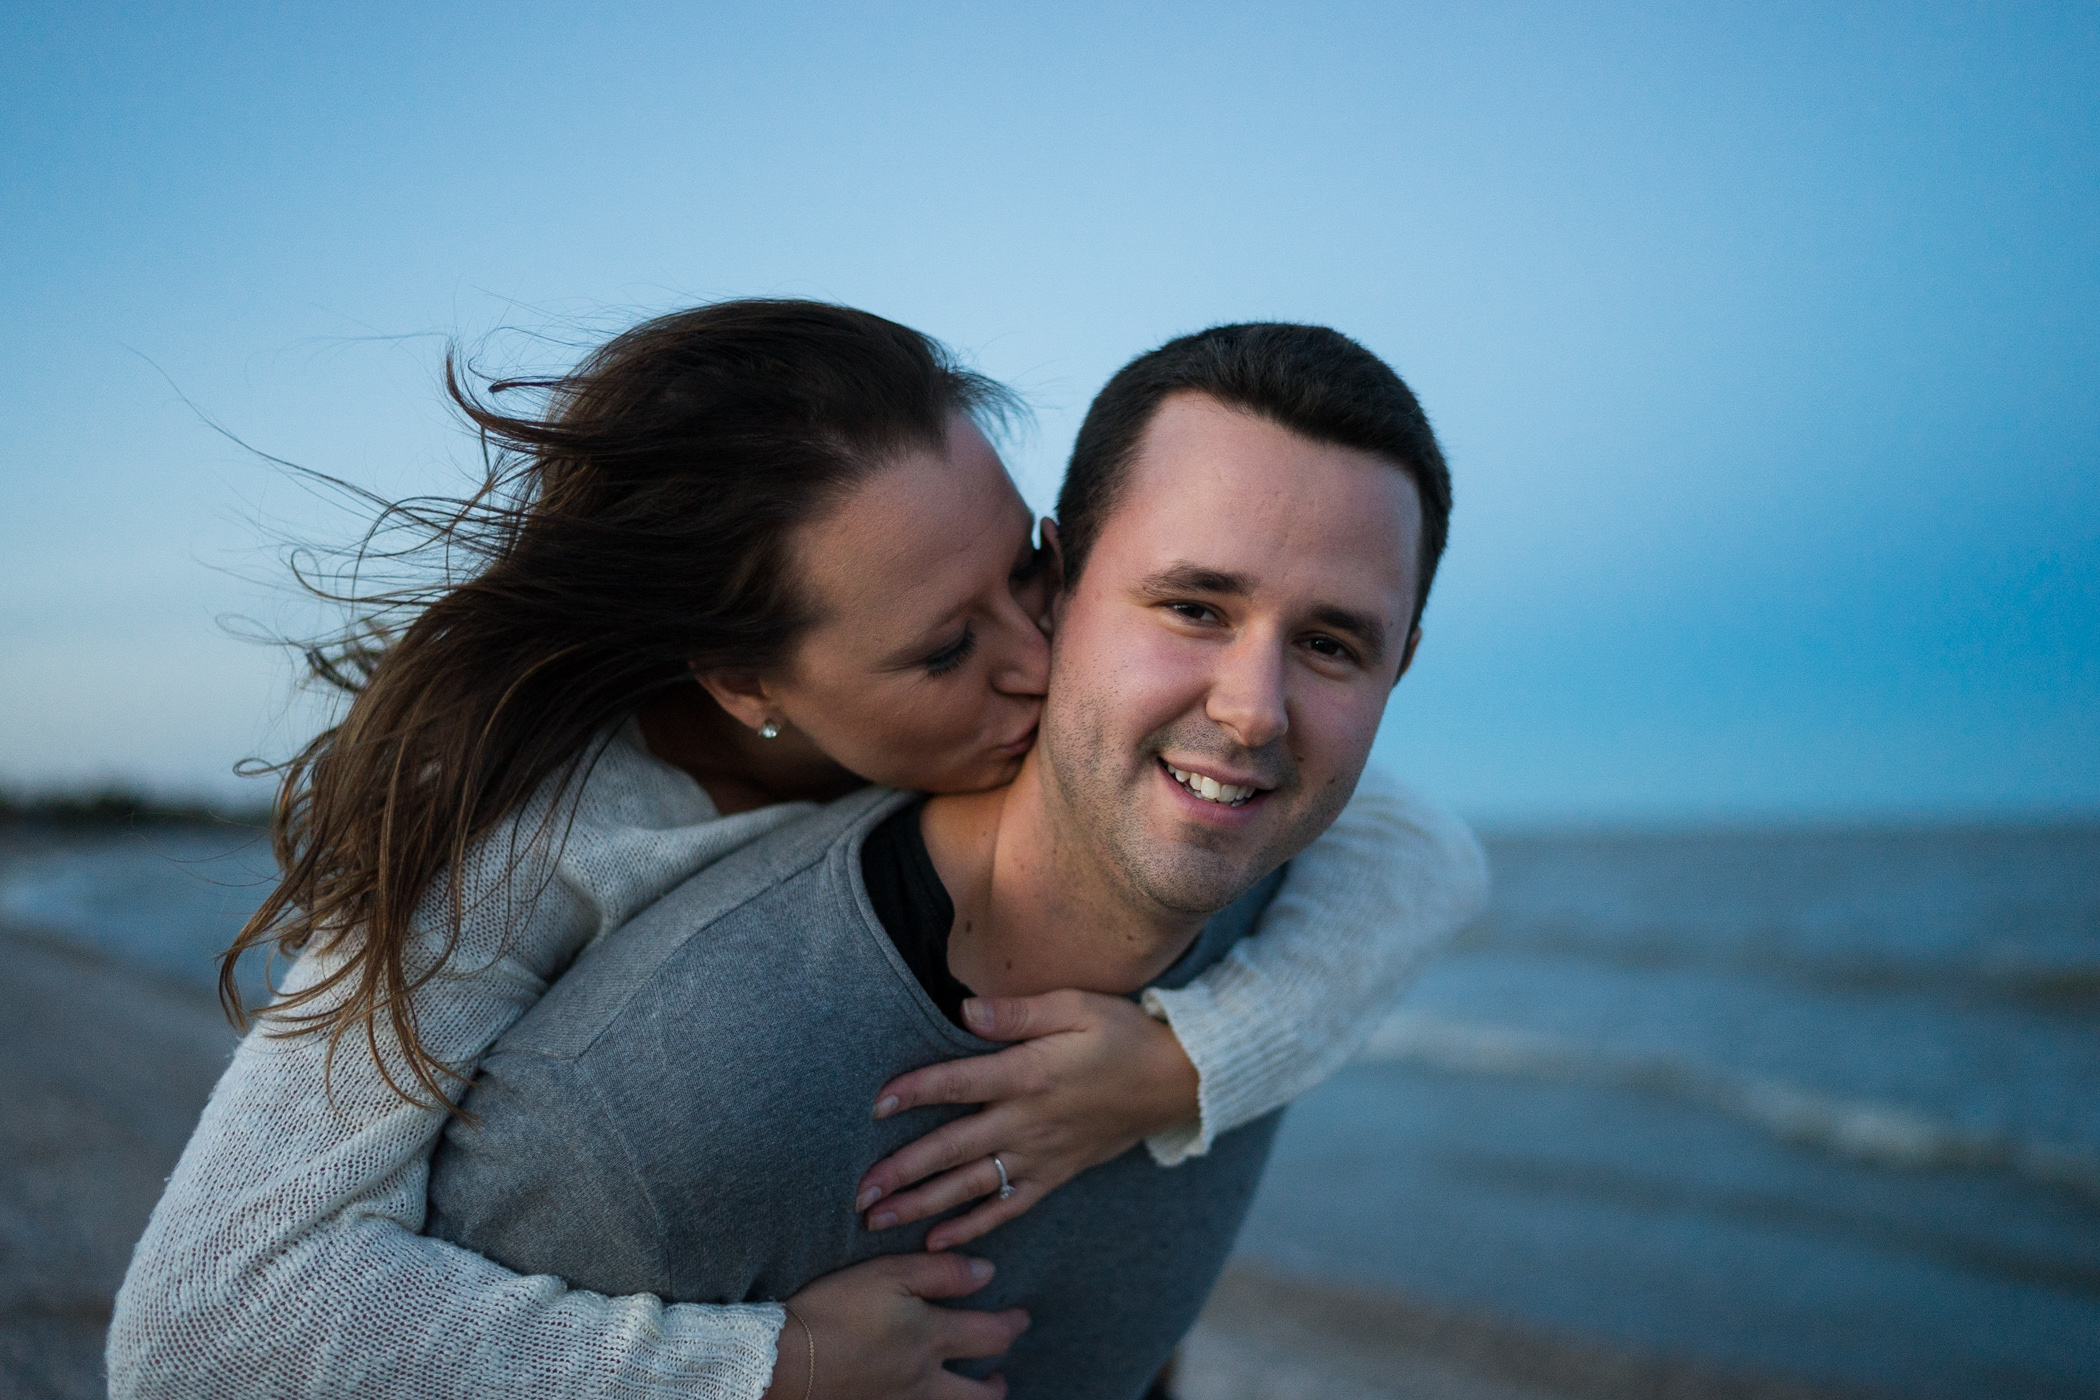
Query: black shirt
913	905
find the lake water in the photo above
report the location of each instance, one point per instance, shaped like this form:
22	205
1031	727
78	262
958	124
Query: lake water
1823	1105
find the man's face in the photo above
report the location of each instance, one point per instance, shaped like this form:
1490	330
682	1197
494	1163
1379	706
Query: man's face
1220	668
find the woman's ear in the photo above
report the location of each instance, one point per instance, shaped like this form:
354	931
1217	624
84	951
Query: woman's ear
742	693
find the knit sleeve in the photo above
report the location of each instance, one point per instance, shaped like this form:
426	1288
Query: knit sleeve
284	1257
1360	908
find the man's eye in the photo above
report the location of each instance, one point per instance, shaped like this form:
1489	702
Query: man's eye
1194	612
1329	647
953	655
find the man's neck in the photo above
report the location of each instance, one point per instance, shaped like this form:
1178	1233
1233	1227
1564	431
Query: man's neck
1036	906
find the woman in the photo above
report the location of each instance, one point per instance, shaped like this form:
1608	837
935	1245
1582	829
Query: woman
531	762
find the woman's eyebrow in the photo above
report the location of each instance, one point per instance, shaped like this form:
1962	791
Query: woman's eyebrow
924	642
916	656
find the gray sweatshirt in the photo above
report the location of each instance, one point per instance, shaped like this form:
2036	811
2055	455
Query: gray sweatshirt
687	1111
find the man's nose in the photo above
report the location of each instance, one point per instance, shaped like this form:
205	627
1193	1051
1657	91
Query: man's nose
1246	692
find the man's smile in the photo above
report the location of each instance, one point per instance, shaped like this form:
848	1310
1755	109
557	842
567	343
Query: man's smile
1205	788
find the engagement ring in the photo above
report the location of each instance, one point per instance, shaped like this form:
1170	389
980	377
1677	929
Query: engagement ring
1005	1187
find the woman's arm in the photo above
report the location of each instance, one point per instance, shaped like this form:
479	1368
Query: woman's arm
284	1258
1360	908
282	1261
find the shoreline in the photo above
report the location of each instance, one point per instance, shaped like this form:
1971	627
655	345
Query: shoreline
1266	1336
104	1067
103	1070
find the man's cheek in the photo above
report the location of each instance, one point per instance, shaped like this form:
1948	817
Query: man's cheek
1335	728
1158	673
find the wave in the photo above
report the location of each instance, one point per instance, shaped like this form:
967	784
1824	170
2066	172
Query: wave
2044	978
1879	1134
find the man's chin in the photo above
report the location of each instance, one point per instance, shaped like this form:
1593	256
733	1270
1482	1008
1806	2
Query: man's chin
1192	879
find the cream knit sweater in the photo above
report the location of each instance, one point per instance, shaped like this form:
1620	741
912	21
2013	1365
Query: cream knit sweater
284	1259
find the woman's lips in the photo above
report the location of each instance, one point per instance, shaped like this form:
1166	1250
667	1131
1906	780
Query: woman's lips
1017	747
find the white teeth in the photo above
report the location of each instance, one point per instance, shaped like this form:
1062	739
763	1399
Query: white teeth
1210	789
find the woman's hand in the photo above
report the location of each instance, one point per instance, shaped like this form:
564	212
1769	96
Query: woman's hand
877	1337
1092	1077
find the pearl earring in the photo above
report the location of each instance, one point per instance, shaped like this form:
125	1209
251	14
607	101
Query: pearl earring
769	730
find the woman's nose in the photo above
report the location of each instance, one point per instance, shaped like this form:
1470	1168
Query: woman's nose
1022	665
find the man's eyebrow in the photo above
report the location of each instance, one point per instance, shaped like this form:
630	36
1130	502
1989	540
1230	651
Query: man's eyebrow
1194	578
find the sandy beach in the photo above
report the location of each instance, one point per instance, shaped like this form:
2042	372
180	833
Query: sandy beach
103	1069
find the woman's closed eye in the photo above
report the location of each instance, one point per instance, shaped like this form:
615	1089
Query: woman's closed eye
952	655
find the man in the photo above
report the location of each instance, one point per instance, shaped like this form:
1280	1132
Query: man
1249	528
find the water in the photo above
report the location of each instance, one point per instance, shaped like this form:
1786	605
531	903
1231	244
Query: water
167	898
1822	1105
1818	1105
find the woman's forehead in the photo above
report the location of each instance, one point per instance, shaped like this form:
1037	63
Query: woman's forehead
916	540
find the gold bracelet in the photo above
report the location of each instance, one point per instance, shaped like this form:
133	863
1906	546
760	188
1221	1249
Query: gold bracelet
809	1385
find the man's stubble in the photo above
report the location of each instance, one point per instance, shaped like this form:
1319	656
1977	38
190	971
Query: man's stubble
1184	870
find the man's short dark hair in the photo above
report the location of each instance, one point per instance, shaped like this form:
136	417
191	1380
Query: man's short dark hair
1315	382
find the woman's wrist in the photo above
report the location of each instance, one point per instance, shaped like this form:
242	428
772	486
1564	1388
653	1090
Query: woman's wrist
794	1359
1171	1076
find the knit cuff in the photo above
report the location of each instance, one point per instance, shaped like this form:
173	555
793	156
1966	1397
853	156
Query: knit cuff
722	1351
1237	1057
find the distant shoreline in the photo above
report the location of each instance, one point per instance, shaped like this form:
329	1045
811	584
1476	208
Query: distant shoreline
1807	827
116	808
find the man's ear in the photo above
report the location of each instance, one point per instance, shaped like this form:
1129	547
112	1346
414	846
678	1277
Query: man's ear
1054	561
1407	658
742	693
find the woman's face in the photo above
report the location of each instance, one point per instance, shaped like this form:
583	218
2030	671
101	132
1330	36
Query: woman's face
926	666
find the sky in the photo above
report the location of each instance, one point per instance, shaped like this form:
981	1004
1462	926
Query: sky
1762	338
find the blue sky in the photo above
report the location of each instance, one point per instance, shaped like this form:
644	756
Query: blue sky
1763	339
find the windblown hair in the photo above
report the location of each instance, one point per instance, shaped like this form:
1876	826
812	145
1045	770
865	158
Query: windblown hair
1316	382
636	527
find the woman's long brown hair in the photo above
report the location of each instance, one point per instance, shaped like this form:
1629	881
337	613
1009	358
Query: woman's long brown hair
636	527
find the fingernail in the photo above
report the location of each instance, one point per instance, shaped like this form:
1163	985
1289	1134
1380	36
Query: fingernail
980	1269
886	1105
882	1221
867	1198
977	1013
